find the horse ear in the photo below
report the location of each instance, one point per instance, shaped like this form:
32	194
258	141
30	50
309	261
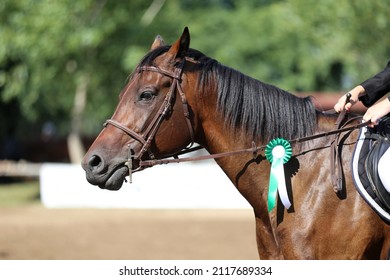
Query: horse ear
158	42
181	46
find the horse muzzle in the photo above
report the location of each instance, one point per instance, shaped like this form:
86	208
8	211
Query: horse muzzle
106	176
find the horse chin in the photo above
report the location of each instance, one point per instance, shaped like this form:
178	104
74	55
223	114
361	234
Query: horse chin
115	180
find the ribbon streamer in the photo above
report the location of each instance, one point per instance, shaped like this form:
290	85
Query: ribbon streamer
278	152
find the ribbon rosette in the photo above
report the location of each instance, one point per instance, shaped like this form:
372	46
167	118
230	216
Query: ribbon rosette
278	152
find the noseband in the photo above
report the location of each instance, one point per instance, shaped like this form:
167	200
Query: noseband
146	137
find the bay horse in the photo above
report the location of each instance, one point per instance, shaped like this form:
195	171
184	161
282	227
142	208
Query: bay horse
178	96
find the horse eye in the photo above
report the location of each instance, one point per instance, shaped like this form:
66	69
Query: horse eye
146	96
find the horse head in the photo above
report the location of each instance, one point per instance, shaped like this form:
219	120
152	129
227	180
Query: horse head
152	119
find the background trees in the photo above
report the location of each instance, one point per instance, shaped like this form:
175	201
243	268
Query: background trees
65	61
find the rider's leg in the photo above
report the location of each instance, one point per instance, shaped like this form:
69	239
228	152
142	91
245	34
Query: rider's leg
384	169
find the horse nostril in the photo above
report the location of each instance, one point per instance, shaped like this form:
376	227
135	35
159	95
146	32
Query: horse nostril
95	162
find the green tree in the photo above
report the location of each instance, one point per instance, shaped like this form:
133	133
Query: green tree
54	52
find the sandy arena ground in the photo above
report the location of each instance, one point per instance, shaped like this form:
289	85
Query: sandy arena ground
34	232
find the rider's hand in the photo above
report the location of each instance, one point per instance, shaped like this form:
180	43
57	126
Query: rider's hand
355	93
377	111
340	105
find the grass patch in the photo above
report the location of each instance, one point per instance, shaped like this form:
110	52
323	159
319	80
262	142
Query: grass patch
19	193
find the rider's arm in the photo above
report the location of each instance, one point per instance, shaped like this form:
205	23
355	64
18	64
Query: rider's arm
376	87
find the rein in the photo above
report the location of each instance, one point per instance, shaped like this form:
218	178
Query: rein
146	137
254	149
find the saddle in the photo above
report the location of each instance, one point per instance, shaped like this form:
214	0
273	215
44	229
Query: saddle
370	147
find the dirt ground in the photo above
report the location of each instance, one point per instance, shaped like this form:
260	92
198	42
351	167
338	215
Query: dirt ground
34	232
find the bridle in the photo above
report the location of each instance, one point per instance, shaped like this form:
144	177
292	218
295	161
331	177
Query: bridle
147	136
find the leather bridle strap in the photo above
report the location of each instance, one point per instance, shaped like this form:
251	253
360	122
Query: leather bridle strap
147	136
130	132
335	157
176	84
186	112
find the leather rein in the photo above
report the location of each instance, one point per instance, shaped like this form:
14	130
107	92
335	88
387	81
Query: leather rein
146	137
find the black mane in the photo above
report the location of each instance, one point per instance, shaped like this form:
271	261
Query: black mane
261	110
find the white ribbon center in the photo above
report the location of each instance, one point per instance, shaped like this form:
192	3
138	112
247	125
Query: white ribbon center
279	152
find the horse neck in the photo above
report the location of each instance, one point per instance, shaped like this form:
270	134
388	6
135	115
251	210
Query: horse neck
213	134
216	135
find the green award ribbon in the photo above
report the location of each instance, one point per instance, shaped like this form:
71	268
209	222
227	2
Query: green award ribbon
278	152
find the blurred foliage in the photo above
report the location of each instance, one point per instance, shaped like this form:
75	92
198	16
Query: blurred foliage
22	193
47	47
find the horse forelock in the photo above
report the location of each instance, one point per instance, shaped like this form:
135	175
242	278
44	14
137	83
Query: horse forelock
260	110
